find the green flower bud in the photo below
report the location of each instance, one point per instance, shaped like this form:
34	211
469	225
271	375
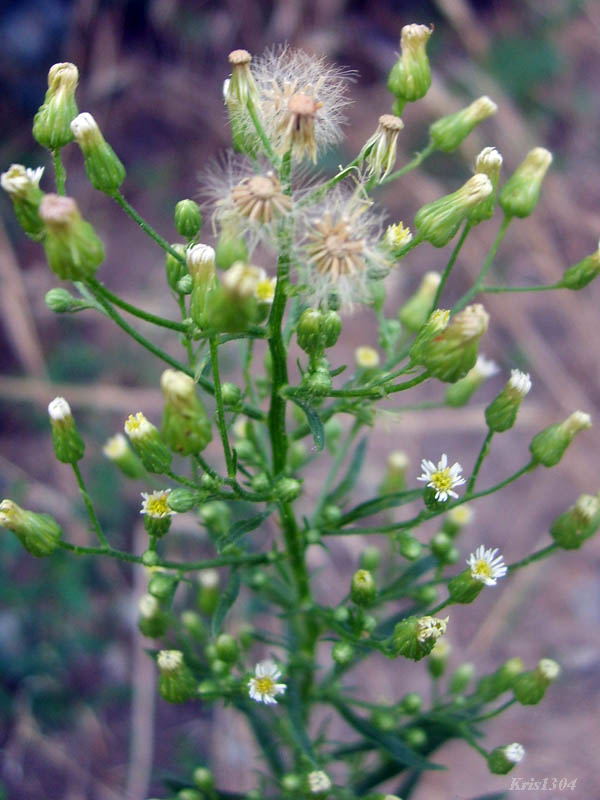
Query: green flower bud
156	511
297	455
370	558
317	383
363	589
415	312
410	77
194	625
379	151
231	394
209	591
520	194
342	653
415	637
459	393
260	482
235	304
38	533
488	162
189	794
209	483
103	167
408	546
184	285
492	686
152	621
230	248
309	332
436	323
437	222
530	687
451	353
201	266
162	586
341	615
52	123
150	558
68	444
188	218
23	187
369	623
288	489
426	595
438	658
411	703
176	269
217	515
456	519
291	783
185	424
182	500
313	536
219	668
578	523
204	779
502	759
464	588
118	451
548	446
227	648
461	678
147	443
501	414
449	132
176	683
415	737
395	476
384	720
62	302
72	247
582	273
331	327
441	545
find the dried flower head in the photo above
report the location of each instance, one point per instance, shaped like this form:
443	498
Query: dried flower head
379	151
301	97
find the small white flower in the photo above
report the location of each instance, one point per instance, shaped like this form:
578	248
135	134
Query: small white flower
398	236
519	382
366	357
485	367
431	628
148	606
264	290
263	687
18	179
155	505
137	426
514	752
169	660
209	579
442	478
397	461
59	409
116	447
486	566
461	515
319	781
549	669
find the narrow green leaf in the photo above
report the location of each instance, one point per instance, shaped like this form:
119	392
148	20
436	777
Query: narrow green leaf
243	526
378	504
227	599
393	745
348	482
294	707
314	421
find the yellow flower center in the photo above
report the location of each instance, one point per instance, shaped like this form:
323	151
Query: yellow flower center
265	685
157	506
442	480
265	291
482	569
134	422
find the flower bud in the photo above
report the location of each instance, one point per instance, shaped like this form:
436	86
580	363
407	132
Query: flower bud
176	683
367	358
396	238
548	446
331	327
102	165
209	591
450	131
415	738
317	383
461	392
23	187
148	444
395	476
408	546
438	221
582	273
201	266
452	352
188	218
204	779
488	162
68	444
189	794
414	313
152	621
52	123
456	519
235	303
492	686
410	77
38	533
443	549
227	648
415	637
231	394
62	302
520	194
318	782
502	759
461	678
379	151
72	247
530	687
411	703
182	500
230	248
157	513
342	653
162	586
118	451
578	523
176	269
363	589
194	625
287	489
501	414
309	332
185	424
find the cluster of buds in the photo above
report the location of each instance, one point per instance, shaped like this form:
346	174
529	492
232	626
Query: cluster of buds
446	347
318	330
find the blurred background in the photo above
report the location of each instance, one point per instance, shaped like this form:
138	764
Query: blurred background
79	719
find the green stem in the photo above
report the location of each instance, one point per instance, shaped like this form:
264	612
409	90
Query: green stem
59	172
466	298
494	713
146	227
498	289
380	391
537	556
214	357
97	288
417	160
261	133
90	508
485	449
336	467
449	266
